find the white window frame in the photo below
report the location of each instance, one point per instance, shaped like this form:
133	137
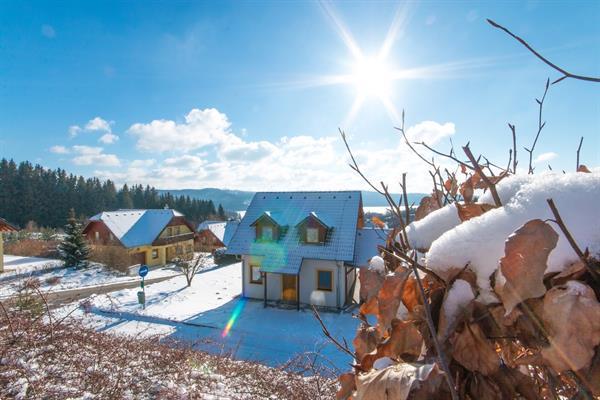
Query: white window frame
266	229
252	280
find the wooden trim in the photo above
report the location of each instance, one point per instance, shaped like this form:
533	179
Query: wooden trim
264	275
317	277
251	280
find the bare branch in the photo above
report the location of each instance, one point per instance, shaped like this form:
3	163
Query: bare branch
540	126
566	74
514	152
477	167
329	336
578	150
571	241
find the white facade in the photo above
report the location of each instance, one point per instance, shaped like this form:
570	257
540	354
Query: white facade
342	280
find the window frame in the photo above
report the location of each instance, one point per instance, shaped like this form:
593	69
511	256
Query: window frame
324	289
97	236
251	277
262	232
154	251
312	229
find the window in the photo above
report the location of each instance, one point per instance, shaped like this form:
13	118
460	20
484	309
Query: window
255	275
325	280
112	237
97	235
155	253
189	248
267	233
169	231
312	235
178	230
179	250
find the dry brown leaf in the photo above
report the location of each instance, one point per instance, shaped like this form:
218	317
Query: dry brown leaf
474	351
348	385
583	168
427	205
410	295
366	340
371	306
394	382
482	387
378	222
574	271
404	342
370	283
452	315
389	298
466	190
472	210
572	315
524	263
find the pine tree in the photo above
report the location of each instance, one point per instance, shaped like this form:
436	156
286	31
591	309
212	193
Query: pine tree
74	250
221	212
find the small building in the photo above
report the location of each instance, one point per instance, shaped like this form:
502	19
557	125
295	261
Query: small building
5	227
212	235
304	247
150	237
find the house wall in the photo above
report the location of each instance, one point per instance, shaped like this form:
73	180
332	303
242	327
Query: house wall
308	283
174	229
207	241
165	253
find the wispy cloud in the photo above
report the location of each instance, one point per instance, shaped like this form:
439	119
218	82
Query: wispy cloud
545	157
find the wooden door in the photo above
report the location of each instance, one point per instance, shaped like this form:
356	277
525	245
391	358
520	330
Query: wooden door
288	283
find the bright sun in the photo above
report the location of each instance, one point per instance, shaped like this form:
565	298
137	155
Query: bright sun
371	77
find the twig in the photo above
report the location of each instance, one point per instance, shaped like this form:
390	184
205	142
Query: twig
566	74
514	152
450	156
328	335
405	197
12	332
571	241
403	257
578	150
540	126
477	167
433	332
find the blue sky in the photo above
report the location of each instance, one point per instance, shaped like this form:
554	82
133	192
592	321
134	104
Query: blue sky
240	95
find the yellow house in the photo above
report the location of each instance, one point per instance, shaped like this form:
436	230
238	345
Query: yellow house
151	237
4	227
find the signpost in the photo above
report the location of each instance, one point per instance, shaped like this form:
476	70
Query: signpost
143	271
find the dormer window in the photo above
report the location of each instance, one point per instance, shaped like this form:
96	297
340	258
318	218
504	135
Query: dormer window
267	233
312	235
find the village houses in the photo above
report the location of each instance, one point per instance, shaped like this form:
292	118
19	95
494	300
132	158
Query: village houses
151	237
213	235
304	247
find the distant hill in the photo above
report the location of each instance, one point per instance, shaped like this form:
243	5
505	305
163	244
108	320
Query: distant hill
238	200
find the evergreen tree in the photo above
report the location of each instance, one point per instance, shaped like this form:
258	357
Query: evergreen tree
74	250
221	212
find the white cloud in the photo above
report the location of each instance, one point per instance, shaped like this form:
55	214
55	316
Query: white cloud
59	150
48	31
88	155
204	152
98	124
201	128
94	125
430	132
545	157
108	138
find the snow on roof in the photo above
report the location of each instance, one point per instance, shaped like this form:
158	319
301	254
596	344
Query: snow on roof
5	226
288	208
222	230
136	227
479	242
367	240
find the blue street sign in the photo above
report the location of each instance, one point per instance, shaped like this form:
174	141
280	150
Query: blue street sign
143	271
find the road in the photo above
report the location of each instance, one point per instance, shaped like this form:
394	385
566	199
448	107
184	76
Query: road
58	298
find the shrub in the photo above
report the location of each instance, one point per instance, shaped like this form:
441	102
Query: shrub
114	257
32	248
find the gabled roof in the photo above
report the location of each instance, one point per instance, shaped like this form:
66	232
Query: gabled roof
136	227
6	227
222	230
273	216
319	218
367	240
285	255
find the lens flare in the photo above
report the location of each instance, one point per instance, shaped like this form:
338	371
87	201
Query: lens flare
239	307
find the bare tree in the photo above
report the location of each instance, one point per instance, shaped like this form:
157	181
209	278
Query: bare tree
191	266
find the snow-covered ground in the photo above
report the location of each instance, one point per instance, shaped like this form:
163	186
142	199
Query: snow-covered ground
64	278
14	265
199	314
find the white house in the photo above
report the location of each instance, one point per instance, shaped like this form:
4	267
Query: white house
304	247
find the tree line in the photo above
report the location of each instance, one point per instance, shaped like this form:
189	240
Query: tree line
33	193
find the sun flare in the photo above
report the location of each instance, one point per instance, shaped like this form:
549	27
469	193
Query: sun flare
371	77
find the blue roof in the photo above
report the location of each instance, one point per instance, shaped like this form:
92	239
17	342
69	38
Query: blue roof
222	230
339	209
367	240
136	227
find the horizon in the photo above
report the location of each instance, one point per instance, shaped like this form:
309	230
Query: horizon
205	95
